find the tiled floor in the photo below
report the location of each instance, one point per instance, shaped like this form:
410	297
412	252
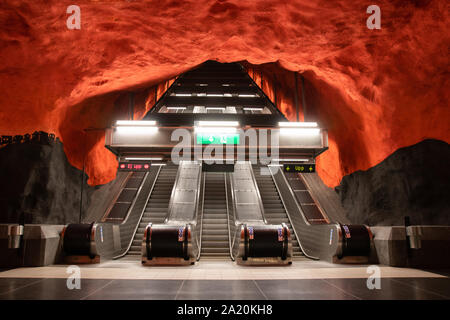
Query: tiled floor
223	280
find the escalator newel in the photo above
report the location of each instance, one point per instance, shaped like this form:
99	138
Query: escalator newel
356	240
78	242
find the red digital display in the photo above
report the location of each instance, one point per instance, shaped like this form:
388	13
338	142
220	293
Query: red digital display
134	166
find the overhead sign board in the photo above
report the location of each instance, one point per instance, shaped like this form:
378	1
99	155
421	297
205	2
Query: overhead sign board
134	166
229	138
301	168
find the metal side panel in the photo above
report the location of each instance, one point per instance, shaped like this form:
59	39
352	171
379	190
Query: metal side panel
113	240
326	197
185	194
105	197
247	200
320	241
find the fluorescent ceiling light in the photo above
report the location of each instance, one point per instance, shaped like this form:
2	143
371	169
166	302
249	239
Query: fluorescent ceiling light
176	108
215	130
293	160
225	85
136	130
135	123
202	84
247	95
227	95
143	159
214	95
297	124
253	109
201	94
215	108
217	123
183	94
300	131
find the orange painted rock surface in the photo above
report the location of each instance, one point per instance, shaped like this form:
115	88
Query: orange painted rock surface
375	90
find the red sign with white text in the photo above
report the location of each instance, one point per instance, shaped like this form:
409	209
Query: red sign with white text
134	166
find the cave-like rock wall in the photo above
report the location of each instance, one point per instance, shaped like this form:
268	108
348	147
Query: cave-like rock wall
414	181
375	90
38	185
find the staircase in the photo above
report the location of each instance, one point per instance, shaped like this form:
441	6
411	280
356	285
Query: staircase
274	211
157	206
215	242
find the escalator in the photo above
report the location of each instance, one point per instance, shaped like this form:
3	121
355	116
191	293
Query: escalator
156	208
255	241
214	238
319	236
275	212
175	242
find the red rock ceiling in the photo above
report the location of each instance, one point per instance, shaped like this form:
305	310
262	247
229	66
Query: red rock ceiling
375	90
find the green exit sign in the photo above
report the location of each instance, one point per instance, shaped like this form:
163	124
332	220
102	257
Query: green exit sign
232	138
302	168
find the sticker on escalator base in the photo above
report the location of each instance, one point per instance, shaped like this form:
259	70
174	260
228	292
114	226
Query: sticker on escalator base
181	234
251	235
280	234
347	232
331	236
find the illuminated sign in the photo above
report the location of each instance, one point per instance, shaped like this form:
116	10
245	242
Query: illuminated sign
301	168
134	166
228	138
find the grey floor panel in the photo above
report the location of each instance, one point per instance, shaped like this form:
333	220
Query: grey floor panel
138	290
53	289
390	289
295	289
220	290
11	284
435	286
302	290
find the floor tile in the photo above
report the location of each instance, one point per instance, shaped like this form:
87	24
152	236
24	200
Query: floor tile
53	289
11	284
432	285
301	290
390	289
138	290
219	290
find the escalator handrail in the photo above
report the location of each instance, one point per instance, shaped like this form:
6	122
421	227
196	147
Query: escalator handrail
288	215
258	194
169	209
142	212
199	243
232	243
228	216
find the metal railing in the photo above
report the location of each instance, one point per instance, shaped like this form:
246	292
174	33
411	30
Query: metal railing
200	219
